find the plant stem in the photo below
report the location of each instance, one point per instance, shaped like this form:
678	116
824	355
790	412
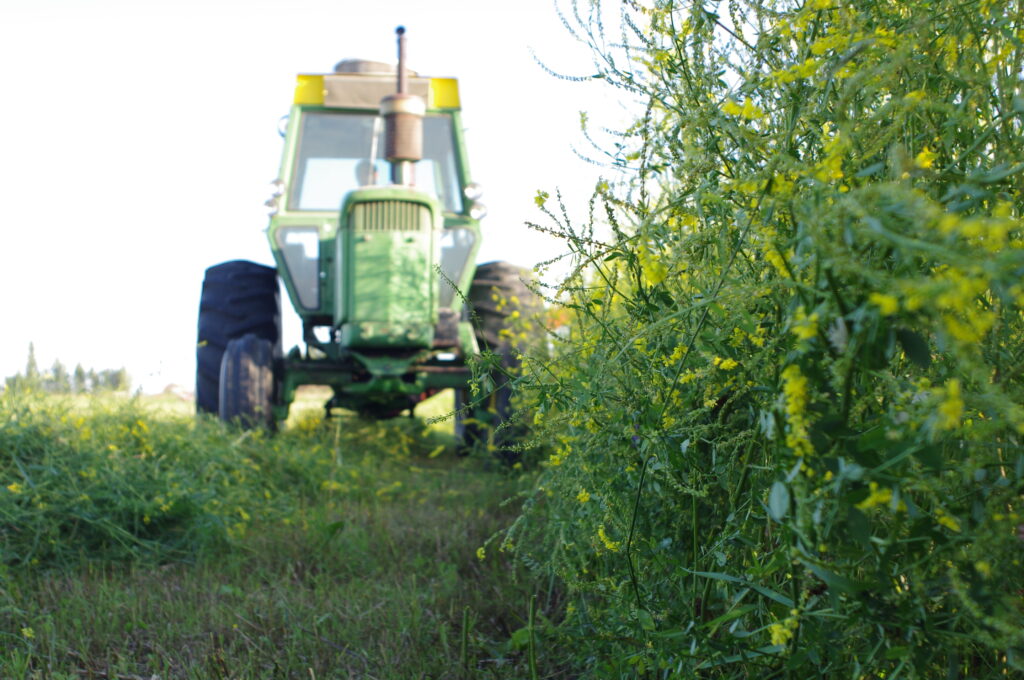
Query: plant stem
632	528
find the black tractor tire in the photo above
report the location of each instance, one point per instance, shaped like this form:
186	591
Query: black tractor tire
238	298
494	283
247	385
498	290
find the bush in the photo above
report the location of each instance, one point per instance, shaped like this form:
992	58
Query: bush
788	419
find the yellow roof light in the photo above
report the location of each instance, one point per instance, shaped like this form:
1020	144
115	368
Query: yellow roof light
444	93
309	90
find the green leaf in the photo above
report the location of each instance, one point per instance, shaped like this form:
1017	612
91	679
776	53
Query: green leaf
872	169
746	655
729	616
520	639
1000	172
778	501
833	580
645	619
858	525
719	576
334	528
872	440
931	456
915	347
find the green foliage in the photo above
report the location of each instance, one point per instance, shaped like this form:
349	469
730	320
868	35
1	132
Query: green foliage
139	540
111	480
788	419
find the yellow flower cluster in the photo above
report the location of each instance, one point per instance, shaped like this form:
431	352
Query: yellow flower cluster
609	544
926	158
725	364
794	388
991	233
947	520
652	265
963	316
748	111
782	631
560	454
887	304
831	166
777	261
878	496
676	355
807	69
952	406
804	326
389	488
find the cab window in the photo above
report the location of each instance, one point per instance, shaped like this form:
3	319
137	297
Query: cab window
338	152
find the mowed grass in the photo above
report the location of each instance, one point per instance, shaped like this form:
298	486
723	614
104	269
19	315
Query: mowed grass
139	541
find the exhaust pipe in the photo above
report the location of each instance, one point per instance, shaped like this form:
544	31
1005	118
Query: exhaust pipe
403	124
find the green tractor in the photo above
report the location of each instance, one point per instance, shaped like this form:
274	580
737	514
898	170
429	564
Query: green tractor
374	228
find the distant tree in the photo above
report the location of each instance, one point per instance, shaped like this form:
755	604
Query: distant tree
32	377
79	381
31	367
114	380
122	381
58	381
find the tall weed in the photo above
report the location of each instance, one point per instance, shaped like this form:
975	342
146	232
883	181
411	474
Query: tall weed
788	419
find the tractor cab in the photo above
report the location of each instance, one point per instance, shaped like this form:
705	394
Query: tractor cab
336	151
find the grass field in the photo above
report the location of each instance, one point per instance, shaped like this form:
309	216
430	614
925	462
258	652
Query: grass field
139	542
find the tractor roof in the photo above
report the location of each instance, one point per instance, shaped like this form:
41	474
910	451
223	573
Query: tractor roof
361	84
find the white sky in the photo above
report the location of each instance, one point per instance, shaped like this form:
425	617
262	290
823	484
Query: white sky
138	139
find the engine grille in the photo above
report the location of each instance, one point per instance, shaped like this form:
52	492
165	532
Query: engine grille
389	216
